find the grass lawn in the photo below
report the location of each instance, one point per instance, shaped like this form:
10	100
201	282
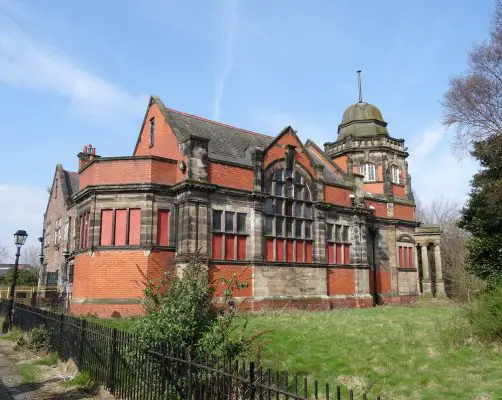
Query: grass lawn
397	353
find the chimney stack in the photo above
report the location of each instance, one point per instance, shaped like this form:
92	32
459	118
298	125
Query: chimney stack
86	156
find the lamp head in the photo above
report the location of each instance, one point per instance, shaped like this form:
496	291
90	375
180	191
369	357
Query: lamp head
20	237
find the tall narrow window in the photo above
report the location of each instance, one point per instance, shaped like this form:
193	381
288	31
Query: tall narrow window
163	228
152	132
396	174
120	227
134	228
405	254
57	232
369	172
106	228
288	218
229	235
67	230
84	221
337	244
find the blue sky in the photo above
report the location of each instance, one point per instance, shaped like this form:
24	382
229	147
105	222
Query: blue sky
80	72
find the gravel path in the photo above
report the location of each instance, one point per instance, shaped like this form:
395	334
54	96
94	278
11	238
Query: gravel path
48	385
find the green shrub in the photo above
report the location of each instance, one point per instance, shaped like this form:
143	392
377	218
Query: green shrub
39	339
485	316
182	313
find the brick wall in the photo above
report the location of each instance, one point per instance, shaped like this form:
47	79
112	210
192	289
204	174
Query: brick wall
380	208
121	171
337	195
278	151
240	273
404	212
113	280
230	176
341	162
341	281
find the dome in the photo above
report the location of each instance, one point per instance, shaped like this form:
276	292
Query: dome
361	111
362	120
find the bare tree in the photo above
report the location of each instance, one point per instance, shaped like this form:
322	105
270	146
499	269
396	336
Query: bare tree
30	256
4	254
460	284
473	102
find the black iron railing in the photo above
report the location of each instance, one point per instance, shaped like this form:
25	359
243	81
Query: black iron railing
114	360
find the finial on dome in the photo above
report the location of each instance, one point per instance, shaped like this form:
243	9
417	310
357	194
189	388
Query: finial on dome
359	83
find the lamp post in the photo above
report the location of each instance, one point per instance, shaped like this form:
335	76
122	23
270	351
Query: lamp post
19	239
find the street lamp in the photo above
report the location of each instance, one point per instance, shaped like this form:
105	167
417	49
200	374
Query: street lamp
19	239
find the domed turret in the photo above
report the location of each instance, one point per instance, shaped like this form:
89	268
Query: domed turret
360	112
362	120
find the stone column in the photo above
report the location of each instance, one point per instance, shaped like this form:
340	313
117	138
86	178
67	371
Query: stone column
439	284
426	278
415	263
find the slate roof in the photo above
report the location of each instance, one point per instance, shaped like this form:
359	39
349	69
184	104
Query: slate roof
226	143
71	179
329	175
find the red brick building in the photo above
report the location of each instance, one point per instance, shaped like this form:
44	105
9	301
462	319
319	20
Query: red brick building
304	226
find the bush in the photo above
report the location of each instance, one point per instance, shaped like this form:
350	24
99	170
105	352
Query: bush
39	339
485	316
181	312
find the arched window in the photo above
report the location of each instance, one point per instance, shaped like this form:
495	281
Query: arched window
396	174
369	172
288	218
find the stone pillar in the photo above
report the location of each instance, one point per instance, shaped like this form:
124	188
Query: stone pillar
319	235
439	284
255	241
415	263
426	277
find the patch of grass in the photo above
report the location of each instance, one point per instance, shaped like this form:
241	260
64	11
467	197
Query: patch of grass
48	360
81	381
13	335
122	324
396	353
28	372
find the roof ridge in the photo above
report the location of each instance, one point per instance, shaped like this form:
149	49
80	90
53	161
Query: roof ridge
218	123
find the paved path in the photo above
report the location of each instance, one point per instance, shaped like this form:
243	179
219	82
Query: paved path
9	378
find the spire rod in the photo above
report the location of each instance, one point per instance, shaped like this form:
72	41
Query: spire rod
359	83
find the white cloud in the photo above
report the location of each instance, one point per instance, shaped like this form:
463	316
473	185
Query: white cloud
22	207
26	63
229	22
435	171
425	141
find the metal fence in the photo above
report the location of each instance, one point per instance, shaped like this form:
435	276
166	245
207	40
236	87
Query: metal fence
114	360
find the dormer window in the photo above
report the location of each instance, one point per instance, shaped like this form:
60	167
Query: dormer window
152	132
369	172
395	174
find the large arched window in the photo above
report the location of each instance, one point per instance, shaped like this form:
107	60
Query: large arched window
288	218
396	174
369	172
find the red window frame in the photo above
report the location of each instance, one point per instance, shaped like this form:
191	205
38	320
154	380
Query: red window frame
163	227
229	244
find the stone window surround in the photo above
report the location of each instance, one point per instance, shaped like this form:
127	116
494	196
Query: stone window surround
234	232
151	141
369	170
300	182
343	239
395	174
405	240
113	226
